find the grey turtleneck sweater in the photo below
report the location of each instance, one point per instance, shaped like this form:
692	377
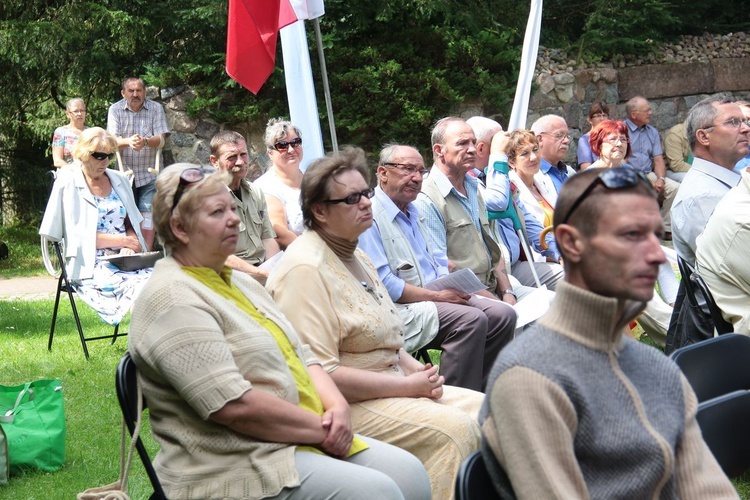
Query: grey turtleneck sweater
576	409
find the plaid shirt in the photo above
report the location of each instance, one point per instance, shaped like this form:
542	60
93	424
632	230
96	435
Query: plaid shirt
147	122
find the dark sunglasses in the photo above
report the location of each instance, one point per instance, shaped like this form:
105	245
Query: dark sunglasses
611	178
102	156
283	146
187	177
354	198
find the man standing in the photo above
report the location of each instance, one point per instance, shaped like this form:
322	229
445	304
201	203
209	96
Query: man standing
141	128
256	241
454	210
577	409
470	331
648	156
554	140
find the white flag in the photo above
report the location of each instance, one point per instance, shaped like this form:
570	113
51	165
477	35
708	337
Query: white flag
526	71
307	9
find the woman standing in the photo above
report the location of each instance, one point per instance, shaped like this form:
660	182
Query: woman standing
65	137
331	293
239	406
92	209
281	184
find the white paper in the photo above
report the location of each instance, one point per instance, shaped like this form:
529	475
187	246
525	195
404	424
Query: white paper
463	280
532	306
270	264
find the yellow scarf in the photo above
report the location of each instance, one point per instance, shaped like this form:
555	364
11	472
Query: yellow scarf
309	399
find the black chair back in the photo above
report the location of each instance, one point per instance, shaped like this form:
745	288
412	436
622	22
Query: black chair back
723	422
716	366
473	481
722	326
126	384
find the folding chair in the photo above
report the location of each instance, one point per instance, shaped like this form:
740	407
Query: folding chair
63	285
723	423
126	383
716	366
473	481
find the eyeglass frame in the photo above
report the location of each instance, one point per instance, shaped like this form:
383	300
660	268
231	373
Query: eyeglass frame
283	146
407	168
353	198
600	180
557	136
731	123
184	183
621	138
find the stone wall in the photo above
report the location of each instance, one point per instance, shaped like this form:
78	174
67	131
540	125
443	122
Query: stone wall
673	80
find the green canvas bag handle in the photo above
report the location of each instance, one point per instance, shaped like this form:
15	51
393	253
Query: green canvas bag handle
10	415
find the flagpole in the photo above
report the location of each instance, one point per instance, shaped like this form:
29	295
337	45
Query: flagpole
326	88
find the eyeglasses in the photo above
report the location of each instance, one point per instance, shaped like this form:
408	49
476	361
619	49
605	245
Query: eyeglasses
558	136
614	140
407	168
187	177
732	122
354	198
611	178
283	146
102	156
600	115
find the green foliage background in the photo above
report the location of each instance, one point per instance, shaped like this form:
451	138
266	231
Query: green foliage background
395	66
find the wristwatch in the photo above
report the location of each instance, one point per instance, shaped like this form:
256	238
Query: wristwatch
510	292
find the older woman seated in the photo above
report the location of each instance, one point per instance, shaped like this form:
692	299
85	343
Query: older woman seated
331	293
92	209
237	403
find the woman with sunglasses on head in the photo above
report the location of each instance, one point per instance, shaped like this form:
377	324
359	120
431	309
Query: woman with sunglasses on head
64	139
238	404
610	142
331	293
92	209
281	184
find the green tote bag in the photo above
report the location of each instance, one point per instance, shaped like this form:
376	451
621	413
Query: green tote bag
33	418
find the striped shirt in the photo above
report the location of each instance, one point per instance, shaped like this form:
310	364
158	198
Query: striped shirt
147	122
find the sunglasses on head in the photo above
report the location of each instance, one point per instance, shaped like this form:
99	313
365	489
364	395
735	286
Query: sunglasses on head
97	155
283	146
187	177
354	198
611	178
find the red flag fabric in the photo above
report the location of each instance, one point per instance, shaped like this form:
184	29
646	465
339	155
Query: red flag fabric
252	32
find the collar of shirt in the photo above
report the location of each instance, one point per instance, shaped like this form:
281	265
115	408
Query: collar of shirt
391	210
445	186
724	175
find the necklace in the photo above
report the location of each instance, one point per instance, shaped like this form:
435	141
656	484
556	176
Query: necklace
369	289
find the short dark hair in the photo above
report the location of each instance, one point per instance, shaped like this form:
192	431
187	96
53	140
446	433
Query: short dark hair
225	137
586	216
315	186
130	79
598	107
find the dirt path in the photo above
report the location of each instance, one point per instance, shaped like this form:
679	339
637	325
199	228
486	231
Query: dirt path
28	287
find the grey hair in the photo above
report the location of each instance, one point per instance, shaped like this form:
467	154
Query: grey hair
131	78
484	128
72	101
703	114
544	123
276	128
389	151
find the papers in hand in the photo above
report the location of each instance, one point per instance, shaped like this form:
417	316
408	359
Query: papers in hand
532	306
270	264
463	280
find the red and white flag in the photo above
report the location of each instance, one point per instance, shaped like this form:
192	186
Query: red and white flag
308	9
252	32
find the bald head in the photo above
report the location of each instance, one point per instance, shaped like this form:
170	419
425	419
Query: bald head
638	110
554	137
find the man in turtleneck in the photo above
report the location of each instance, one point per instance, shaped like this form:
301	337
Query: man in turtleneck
577	409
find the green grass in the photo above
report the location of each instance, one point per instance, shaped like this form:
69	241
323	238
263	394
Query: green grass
25	255
91	409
